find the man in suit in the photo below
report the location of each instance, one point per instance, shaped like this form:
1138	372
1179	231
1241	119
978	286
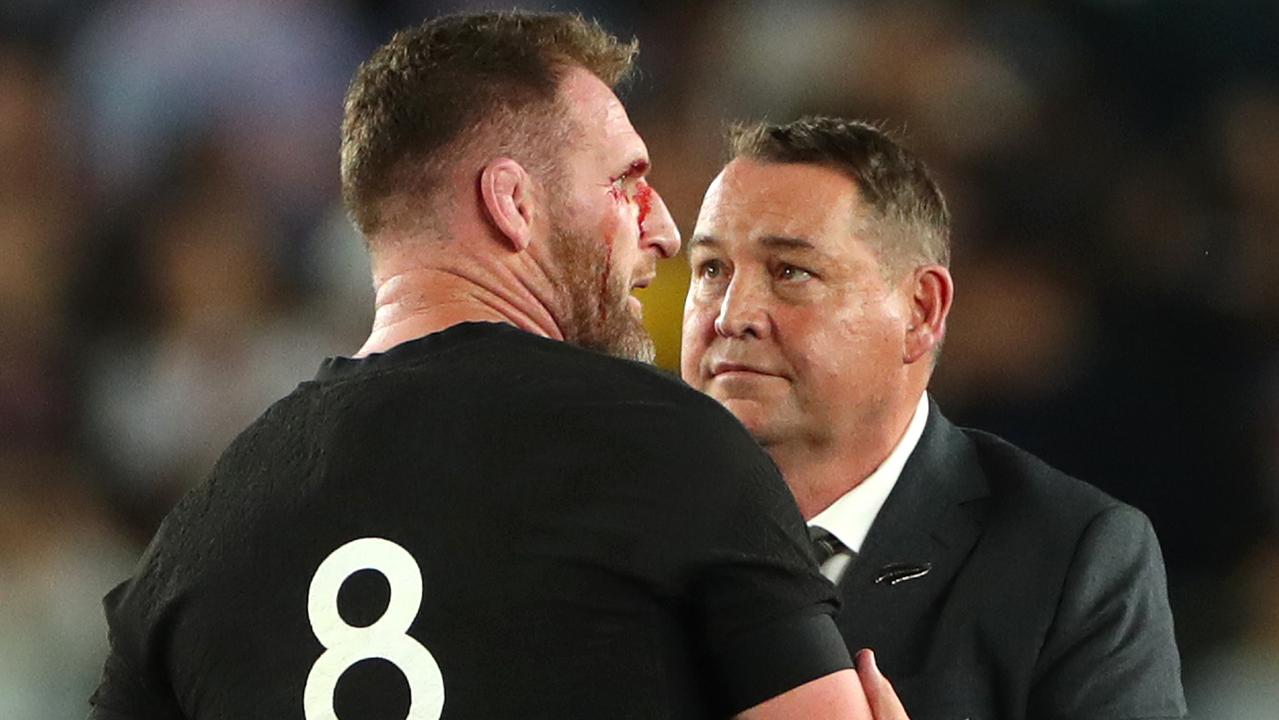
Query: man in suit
988	584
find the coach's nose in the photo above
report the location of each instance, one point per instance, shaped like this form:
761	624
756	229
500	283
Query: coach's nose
743	309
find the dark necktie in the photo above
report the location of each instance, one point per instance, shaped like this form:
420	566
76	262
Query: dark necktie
833	557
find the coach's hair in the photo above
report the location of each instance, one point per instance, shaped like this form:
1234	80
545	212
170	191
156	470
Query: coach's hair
907	211
457	84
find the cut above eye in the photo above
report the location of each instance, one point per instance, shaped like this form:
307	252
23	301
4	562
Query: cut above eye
623	188
631	178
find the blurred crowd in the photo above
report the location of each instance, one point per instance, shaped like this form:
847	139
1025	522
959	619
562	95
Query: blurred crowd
173	258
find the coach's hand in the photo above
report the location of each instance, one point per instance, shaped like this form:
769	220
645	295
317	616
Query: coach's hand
884	704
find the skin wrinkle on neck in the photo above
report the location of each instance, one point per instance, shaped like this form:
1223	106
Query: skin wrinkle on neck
426	297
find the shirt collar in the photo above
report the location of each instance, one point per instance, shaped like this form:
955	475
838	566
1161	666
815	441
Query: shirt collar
849	517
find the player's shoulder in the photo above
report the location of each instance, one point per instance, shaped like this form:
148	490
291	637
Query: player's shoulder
602	383
250	467
554	358
500	359
474	378
645	417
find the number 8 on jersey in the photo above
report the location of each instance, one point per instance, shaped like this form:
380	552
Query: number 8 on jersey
346	645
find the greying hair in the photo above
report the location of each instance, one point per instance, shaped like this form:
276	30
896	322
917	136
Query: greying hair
908	213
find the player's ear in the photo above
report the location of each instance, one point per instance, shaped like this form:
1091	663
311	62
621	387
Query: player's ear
931	292
506	190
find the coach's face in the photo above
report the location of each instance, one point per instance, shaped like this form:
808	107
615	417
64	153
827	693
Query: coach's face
610	225
789	320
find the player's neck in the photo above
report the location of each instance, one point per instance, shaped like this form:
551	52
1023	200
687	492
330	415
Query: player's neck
416	300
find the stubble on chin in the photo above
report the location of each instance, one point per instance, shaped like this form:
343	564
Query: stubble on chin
596	312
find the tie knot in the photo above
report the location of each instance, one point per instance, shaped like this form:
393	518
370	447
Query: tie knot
825	544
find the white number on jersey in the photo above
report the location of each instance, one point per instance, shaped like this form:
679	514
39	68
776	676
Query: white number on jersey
387	638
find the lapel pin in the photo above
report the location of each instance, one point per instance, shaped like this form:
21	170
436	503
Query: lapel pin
894	573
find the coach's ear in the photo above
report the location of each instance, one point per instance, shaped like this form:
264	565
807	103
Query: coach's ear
507	193
931	292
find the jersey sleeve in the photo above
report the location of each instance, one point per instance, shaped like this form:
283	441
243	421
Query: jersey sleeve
132	683
737	550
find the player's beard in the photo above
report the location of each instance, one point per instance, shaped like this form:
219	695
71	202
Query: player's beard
594	297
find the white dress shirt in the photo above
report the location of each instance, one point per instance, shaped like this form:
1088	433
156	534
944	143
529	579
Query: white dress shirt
849	517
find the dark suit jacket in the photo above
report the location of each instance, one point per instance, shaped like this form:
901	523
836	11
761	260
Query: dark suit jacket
1045	597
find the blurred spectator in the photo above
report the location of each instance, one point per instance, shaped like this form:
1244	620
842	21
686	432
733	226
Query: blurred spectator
1249	144
1238	683
39	221
227	340
58	556
266	75
59	551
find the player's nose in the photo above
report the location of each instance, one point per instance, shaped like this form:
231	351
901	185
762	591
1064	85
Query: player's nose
658	229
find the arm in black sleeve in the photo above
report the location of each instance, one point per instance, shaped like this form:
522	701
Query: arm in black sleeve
764	612
1110	653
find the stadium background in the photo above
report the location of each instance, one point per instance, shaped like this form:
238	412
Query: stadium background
172	258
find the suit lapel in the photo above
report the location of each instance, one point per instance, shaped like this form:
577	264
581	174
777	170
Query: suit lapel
919	540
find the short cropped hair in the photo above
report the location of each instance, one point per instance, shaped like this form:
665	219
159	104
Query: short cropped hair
458	82
907	210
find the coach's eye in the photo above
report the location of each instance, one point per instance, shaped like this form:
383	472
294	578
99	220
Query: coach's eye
791	273
710	269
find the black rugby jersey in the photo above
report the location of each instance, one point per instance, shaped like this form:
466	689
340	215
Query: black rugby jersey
480	523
